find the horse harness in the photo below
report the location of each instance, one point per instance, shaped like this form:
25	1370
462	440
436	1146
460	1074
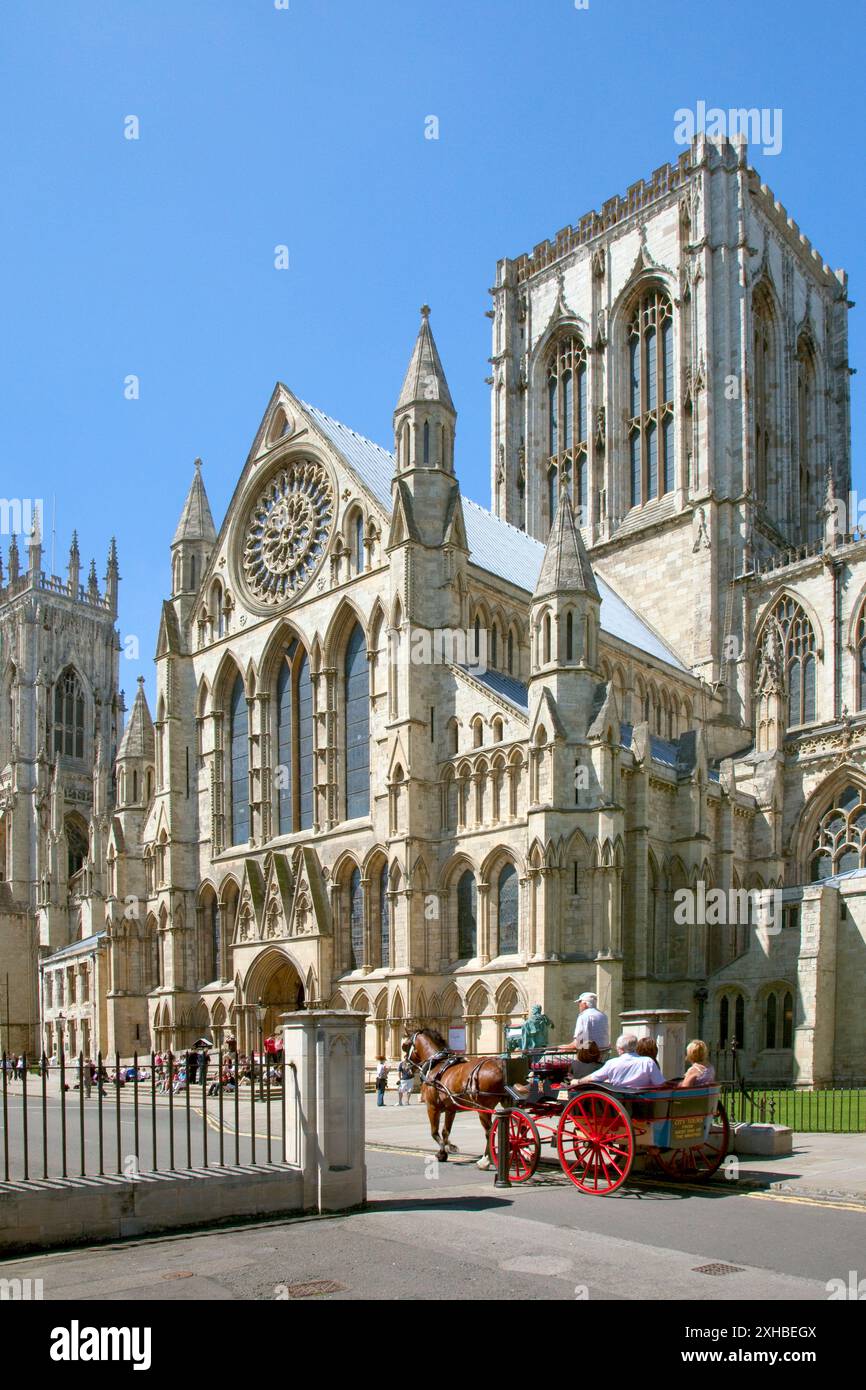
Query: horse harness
433	1070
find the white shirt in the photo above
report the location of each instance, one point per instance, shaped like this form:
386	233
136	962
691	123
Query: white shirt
592	1026
630	1071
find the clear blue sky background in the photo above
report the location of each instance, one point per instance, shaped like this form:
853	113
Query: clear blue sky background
306	127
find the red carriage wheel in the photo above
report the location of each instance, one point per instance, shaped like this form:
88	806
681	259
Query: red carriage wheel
524	1145
700	1160
595	1142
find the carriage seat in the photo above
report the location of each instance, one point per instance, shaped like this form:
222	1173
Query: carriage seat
552	1068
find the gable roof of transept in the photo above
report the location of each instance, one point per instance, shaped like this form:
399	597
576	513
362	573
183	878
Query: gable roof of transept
494	545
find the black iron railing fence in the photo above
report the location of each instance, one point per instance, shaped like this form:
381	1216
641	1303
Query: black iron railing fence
820	1109
79	1120
837	1109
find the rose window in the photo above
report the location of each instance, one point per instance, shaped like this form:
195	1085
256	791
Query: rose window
288	530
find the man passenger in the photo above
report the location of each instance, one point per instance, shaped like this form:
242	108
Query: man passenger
628	1070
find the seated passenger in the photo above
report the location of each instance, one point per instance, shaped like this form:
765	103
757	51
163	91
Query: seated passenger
699	1072
647	1047
627	1070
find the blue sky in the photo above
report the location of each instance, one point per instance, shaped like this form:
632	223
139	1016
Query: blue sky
305	127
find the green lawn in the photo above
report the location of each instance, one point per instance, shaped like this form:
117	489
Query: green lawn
839	1112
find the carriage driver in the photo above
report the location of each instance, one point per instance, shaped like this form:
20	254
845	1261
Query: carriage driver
591	1031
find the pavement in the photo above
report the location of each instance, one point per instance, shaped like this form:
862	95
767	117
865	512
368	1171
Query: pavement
830	1166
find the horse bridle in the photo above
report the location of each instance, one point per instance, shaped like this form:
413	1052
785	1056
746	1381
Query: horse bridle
424	1068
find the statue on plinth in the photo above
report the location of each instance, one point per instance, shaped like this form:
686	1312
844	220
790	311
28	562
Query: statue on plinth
534	1032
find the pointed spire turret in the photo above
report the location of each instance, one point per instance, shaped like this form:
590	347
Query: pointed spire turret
14	559
196	521
74	572
425	376
193	540
565	568
138	740
424	418
112	576
34	546
92	583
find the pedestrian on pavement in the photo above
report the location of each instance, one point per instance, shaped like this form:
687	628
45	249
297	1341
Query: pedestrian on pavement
381	1080
87	1076
406	1080
192	1066
22	1067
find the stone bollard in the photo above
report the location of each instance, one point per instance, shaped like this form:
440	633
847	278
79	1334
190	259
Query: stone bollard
324	1105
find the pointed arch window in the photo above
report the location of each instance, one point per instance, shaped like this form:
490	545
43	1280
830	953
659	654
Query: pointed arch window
765	378
567	428
286	769
839	843
861	659
215	933
507	915
239	763
810	520
732	1019
797	647
304	692
358	543
69	715
779	1019
357	706
467	916
356	921
384	919
651	447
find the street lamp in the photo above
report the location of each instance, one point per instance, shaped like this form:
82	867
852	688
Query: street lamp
261	1014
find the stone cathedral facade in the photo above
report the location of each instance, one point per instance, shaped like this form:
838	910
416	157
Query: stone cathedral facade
438	762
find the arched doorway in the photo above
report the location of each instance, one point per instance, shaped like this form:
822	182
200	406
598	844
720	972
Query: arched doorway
274	984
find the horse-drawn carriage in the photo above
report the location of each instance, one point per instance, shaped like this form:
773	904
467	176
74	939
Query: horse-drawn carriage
599	1132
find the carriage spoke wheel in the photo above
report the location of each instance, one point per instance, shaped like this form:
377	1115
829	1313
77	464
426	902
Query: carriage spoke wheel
595	1143
524	1145
701	1160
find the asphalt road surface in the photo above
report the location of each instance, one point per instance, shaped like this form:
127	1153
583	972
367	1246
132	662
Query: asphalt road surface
434	1231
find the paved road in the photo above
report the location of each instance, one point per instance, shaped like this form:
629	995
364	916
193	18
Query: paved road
435	1232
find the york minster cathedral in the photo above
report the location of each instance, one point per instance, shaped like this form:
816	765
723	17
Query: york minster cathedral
439	762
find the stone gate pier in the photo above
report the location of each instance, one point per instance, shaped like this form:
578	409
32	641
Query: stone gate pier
667	1027
324	1097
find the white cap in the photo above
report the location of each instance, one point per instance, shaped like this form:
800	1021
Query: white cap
587	998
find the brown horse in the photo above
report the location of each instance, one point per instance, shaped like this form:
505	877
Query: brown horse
451	1082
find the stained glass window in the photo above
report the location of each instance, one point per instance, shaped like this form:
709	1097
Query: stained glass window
507	911
357	688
